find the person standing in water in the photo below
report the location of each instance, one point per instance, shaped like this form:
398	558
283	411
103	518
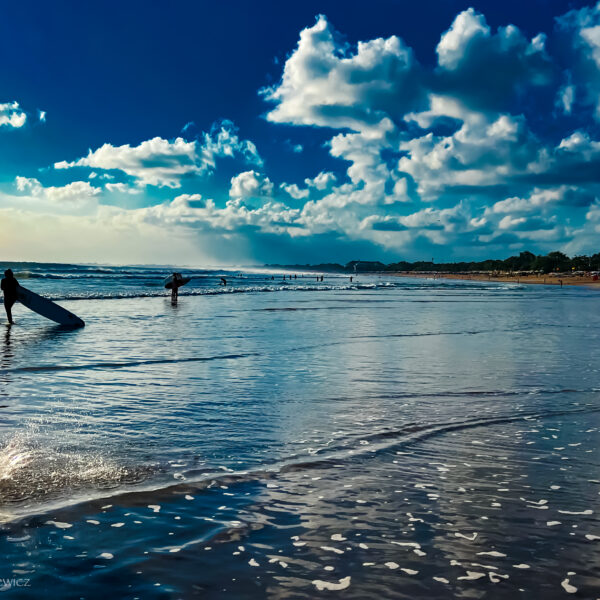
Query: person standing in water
175	287
9	286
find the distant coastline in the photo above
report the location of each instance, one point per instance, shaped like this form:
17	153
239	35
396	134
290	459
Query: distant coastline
554	268
529	278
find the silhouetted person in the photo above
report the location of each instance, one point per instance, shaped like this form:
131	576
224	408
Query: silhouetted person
175	287
223	281
9	286
350	278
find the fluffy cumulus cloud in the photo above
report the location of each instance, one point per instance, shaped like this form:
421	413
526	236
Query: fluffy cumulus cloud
324	84
485	69
11	115
250	184
451	159
164	163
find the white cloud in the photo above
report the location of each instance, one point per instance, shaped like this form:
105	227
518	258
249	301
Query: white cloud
74	193
250	184
153	162
453	46
163	163
591	36
483	151
325	85
486	70
579	143
538	200
28	184
11	115
223	141
322	181
294	191
566	98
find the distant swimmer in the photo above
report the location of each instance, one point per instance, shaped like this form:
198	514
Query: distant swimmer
9	286
223	281
350	278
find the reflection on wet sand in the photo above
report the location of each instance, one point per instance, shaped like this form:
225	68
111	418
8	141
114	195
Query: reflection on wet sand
462	513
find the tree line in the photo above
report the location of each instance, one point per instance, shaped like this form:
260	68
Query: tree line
525	261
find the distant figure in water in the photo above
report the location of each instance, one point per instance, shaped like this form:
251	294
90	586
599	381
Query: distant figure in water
9	286
284	277
295	276
223	281
272	277
350	278
175	287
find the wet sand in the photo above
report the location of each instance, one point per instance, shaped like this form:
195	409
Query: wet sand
553	279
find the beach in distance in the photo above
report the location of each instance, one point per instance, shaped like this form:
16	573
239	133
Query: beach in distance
588	279
385	437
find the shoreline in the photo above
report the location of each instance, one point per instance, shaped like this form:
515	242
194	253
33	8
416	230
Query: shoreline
553	279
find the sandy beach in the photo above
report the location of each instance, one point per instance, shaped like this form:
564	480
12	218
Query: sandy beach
551	279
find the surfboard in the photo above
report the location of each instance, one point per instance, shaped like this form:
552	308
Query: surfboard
181	281
47	308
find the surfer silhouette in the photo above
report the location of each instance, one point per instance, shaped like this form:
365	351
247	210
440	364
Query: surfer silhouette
175	288
223	281
9	286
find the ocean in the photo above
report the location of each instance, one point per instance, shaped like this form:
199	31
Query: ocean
381	438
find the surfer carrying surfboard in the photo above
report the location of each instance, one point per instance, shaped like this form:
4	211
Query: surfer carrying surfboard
9	286
177	283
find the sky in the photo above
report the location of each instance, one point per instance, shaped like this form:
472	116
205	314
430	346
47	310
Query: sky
238	133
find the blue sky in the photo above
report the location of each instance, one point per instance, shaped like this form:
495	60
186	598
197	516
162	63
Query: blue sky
238	133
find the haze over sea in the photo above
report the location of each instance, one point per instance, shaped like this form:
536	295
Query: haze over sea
388	437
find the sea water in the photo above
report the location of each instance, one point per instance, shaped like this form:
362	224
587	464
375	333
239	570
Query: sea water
381	438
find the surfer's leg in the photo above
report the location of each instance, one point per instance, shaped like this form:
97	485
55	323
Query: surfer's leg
8	306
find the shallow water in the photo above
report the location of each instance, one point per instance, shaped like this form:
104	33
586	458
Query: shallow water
391	437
